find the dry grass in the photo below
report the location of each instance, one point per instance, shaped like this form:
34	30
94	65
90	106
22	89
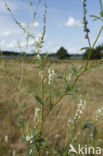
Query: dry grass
91	82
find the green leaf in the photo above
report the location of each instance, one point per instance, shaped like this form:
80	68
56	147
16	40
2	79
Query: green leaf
84	48
101	13
39	99
95	17
81	68
59	76
47	99
36	67
74	69
22	139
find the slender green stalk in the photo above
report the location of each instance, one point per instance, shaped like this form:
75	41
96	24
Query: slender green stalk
33	13
50	98
86	66
93	47
38	154
85	69
55	105
22	73
41	113
101	5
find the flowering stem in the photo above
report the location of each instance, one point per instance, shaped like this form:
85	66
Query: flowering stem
86	66
41	113
93	47
50	98
41	110
56	104
22	72
59	99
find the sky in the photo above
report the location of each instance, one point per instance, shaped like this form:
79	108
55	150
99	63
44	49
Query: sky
63	25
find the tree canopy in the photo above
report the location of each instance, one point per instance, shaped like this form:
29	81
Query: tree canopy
62	53
97	53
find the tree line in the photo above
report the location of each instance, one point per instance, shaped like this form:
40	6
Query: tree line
62	53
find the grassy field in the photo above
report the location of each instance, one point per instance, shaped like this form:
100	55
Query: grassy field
55	126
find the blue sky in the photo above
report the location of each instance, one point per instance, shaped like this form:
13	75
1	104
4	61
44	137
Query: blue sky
64	24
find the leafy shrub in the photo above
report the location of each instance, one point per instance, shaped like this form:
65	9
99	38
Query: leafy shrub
96	53
62	53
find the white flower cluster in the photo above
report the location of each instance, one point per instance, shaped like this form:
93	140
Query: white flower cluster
13	153
6	138
69	77
30	139
70	121
99	113
80	109
36	117
51	76
38	56
30	152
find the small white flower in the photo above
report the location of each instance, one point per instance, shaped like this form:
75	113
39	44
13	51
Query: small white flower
99	110
57	136
47	152
79	111
38	56
27	138
6	138
99	113
51	76
30	152
31	141
32	137
36	116
69	77
70	121
14	153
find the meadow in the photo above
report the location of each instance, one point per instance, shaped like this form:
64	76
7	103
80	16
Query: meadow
54	128
51	107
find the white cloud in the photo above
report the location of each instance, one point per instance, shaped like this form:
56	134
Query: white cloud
72	22
12	44
2	43
6	33
11	4
74	50
14	5
5	45
30	43
35	24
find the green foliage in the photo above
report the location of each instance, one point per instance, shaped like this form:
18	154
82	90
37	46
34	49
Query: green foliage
96	53
39	100
62	53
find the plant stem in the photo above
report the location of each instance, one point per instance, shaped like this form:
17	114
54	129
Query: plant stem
50	98
101	5
86	66
22	73
56	104
41	113
93	47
